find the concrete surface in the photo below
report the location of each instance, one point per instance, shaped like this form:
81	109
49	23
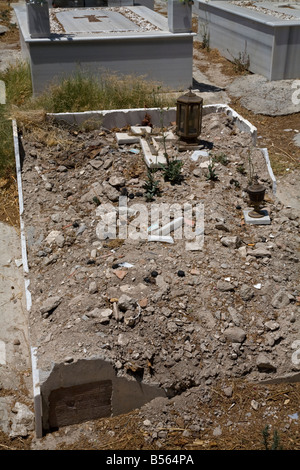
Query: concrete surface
261	96
15	364
258	34
99	46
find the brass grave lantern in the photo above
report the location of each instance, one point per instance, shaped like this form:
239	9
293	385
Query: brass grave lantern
189	120
256	194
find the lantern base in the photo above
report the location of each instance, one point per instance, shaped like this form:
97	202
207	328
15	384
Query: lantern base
256	214
184	146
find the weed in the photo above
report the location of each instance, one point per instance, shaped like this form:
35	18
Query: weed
172	168
172	171
242	62
203	30
151	186
275	442
221	158
212	175
7	163
241	169
81	92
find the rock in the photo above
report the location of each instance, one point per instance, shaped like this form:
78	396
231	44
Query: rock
105	315
235	334
271	325
3	29
48	186
217	431
111	192
22	421
55	236
102	315
143	302
225	286
231	242
126	303
50	305
246	292
55	218
228	391
254	404
120	273
264	364
130	318
96	164
93	288
117	181
222	226
280	300
96	190
260	253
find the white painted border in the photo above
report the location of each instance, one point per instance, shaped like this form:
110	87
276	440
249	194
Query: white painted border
35	371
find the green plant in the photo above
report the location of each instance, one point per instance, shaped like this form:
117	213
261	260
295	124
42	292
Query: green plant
151	186
172	168
172	171
275	441
221	158
241	62
82	92
204	31
7	163
212	175
241	169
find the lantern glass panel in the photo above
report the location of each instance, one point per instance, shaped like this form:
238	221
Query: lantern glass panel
182	113
193	126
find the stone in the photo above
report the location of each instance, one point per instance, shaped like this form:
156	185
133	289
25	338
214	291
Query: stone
93	287
48	186
120	274
50	305
222	226
117	181
55	236
217	431
246	292
96	164
126	303
281	299
264	363
130	318
225	286
111	192
22	421
228	391
271	325
231	242
235	335
265	220
143	303
3	29
260	253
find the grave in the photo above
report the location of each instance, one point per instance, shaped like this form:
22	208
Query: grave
127	40
263	36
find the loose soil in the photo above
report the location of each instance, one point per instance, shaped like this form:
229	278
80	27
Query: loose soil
177	338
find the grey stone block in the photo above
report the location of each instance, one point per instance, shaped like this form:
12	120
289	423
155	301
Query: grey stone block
265	220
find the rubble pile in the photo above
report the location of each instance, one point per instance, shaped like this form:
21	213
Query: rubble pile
157	311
